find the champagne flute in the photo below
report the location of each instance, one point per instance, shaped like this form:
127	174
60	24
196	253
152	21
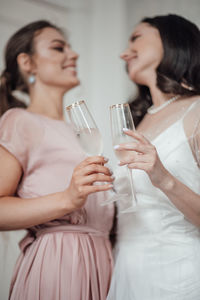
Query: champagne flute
87	133
84	126
120	119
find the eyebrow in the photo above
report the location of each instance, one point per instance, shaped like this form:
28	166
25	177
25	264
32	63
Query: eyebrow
58	41
135	34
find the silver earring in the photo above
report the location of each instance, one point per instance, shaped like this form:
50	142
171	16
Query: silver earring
31	79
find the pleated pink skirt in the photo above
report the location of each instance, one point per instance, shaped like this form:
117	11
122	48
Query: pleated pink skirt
63	265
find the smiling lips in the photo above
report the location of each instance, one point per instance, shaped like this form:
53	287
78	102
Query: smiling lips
70	67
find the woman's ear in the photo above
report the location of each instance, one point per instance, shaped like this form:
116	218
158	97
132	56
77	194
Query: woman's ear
24	63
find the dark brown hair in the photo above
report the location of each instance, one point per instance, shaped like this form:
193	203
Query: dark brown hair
180	63
11	79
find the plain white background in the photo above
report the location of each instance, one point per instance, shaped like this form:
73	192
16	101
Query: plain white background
98	30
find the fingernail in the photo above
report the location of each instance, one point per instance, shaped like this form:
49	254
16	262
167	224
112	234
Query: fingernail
106	159
110	185
116	147
125	129
113	177
111	172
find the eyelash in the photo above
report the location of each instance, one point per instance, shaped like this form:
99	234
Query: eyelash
60	49
134	38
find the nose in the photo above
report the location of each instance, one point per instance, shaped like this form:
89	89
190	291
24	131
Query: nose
72	54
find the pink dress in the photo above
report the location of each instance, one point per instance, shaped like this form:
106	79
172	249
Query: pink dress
69	258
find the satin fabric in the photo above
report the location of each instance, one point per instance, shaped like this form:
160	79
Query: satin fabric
158	249
68	258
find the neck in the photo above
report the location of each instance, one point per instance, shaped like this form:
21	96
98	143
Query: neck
47	101
158	97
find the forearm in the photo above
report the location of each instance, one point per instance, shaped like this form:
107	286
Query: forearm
18	213
187	201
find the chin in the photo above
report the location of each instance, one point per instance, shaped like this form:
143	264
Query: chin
133	77
138	79
72	84
132	73
76	82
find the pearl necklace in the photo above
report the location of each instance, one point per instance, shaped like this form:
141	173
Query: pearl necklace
153	110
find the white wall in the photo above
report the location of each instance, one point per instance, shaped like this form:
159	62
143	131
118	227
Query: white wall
98	30
143	8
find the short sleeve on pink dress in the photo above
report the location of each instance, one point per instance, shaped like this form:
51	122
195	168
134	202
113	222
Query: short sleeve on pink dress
16	131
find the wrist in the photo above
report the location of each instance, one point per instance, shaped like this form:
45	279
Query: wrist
168	183
66	202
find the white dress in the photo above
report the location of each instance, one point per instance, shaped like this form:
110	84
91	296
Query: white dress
157	255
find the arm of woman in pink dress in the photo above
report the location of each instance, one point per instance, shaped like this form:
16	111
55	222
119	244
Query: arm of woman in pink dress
145	157
19	213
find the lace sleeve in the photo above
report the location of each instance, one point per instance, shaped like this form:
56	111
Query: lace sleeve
195	143
192	130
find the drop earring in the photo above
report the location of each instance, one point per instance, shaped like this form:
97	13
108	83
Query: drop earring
31	79
187	87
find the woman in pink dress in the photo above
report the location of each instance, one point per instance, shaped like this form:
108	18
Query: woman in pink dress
46	181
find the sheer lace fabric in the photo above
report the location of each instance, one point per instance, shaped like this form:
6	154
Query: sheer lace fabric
158	251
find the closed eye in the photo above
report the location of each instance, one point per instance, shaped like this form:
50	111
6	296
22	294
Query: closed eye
60	49
134	37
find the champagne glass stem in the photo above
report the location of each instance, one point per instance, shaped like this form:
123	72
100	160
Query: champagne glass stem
132	187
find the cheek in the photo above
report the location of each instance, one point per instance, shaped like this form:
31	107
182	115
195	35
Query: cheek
152	59
144	68
48	60
53	74
47	68
148	60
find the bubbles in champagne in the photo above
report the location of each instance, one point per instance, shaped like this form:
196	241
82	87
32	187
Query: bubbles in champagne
91	141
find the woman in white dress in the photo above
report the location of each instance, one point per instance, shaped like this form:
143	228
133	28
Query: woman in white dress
158	247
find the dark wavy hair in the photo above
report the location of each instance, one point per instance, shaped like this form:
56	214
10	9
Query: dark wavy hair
11	79
180	63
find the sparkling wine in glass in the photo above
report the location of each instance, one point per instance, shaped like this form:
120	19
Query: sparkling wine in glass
120	119
87	133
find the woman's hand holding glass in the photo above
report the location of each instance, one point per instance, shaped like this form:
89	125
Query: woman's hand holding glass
143	156
88	172
90	140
